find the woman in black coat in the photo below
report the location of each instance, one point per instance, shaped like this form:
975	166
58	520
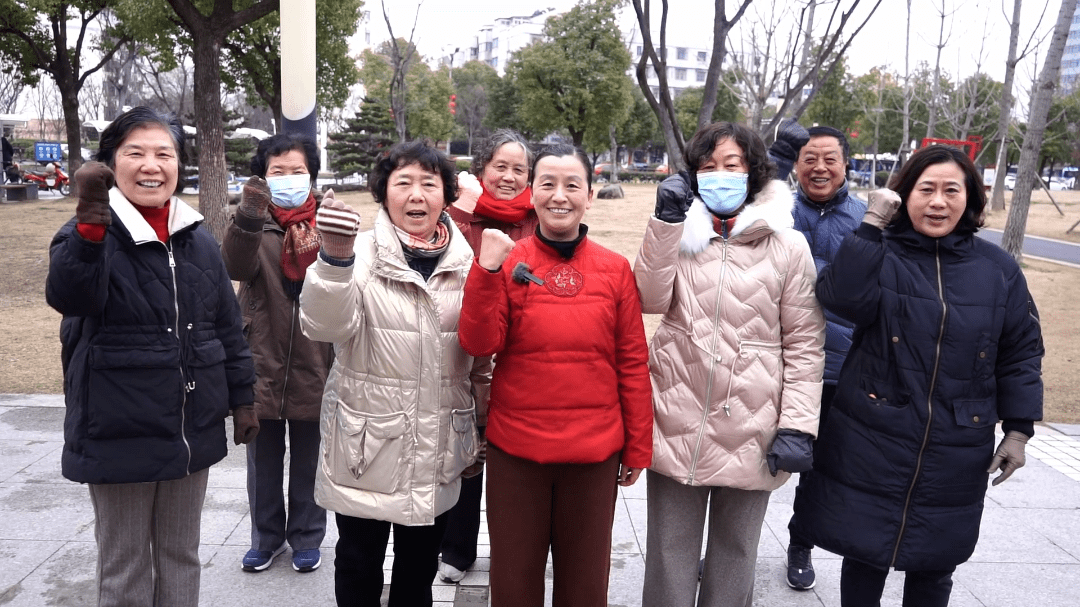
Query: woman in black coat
947	343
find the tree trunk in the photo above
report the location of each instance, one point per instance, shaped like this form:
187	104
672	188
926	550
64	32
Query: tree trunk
69	97
997	199
614	154
213	194
1041	98
935	89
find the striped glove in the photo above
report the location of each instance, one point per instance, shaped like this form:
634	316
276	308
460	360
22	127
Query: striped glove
338	224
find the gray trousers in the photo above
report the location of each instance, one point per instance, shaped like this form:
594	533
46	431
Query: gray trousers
148	541
304	525
676	524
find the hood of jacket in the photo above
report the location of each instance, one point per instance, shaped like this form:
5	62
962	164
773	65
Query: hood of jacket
770	211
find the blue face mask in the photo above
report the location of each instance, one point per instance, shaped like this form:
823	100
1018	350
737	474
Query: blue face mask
722	191
289	191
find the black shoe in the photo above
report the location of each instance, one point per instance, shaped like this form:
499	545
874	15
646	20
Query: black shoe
800	571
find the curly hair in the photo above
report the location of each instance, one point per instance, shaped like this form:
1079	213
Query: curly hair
904	182
491	145
704	142
283	143
141	117
413	152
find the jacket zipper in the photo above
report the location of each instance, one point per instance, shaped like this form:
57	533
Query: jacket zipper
188	386
929	406
712	368
288	360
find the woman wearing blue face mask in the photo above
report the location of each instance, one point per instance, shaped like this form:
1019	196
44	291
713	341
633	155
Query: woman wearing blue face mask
736	364
268	248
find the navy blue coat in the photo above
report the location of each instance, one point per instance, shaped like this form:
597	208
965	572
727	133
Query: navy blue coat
825	226
153	348
947	342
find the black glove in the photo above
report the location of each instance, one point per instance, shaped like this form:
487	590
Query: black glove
791	451
245	424
784	152
673	198
93	181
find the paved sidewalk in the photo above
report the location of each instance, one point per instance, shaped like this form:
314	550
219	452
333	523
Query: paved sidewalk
1029	553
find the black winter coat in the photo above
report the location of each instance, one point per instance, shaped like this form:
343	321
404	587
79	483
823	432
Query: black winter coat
947	342
153	349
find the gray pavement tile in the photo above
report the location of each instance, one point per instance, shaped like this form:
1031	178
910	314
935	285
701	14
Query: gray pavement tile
1036	485
32	423
224	583
66	578
1020	584
223	512
1066	429
46	469
17	455
623	538
20	558
1061	527
55	401
45	512
1011	535
624	583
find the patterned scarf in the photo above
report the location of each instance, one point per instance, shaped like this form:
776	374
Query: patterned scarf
302	241
506	211
418	247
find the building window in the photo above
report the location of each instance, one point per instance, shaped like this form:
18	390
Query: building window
699	75
701	56
655	91
487	47
680	54
680	73
650	73
495	63
495	43
639	50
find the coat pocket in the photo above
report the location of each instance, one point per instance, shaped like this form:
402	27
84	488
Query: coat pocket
366	451
133	392
975	421
210	393
461	444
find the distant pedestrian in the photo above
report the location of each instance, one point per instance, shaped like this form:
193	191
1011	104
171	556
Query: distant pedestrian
736	365
947	343
8	157
154	358
267	248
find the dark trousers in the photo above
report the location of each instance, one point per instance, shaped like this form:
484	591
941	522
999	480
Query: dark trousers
861	585
463	525
796	537
304	525
568	508
361	549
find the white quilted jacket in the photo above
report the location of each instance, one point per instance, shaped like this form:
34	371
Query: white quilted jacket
739	352
398	417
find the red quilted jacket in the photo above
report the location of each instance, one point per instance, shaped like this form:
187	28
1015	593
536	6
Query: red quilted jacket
572	381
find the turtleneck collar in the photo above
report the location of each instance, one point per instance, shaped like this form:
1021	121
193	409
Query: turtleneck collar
565	248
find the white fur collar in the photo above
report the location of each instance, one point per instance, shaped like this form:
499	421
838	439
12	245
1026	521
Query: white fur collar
771	209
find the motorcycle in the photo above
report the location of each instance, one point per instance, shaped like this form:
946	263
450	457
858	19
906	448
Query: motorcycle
57	181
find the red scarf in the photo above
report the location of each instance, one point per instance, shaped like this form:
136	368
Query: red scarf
506	211
302	241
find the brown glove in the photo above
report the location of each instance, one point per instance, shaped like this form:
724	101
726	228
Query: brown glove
881	207
1009	456
94	180
255	197
245	424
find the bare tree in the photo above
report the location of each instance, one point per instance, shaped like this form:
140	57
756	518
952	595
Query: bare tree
400	60
170	90
906	137
1041	98
935	86
11	88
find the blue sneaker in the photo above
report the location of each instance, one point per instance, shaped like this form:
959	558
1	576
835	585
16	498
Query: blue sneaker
258	560
306	560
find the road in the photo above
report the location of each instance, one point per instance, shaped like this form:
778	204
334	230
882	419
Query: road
1037	246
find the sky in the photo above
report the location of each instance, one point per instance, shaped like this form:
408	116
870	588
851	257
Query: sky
881	42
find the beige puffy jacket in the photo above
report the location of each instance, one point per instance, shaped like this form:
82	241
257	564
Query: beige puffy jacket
739	352
399	410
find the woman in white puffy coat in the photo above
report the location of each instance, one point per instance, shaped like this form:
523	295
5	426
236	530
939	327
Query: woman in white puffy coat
736	364
399	411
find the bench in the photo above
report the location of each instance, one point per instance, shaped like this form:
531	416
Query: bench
19	191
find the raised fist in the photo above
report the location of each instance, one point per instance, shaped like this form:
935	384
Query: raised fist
94	180
881	207
469	191
255	197
495	246
338	225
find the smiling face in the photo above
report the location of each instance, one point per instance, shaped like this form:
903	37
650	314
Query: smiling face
146	166
560	195
292	162
938	200
821	169
414	200
726	156
507	174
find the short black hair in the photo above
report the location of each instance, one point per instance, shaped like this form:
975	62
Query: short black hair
559	150
413	152
828	131
283	143
141	117
704	142
904	182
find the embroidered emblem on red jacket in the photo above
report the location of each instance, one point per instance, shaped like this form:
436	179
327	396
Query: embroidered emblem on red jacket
564	281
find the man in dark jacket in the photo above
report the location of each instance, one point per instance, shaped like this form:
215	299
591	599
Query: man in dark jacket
824	212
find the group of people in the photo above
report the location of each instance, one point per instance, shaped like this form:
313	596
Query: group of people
474	323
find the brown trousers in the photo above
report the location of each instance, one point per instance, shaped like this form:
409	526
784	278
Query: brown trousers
568	508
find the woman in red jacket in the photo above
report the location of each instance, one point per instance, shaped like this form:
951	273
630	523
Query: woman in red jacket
570	412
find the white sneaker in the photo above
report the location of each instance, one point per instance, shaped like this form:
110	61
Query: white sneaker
450	574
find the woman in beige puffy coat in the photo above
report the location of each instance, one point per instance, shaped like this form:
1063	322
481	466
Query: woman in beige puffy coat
399	410
736	364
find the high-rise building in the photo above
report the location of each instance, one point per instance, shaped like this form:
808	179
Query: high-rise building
1070	61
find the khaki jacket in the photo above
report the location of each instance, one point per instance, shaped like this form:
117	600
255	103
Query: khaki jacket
399	410
739	352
